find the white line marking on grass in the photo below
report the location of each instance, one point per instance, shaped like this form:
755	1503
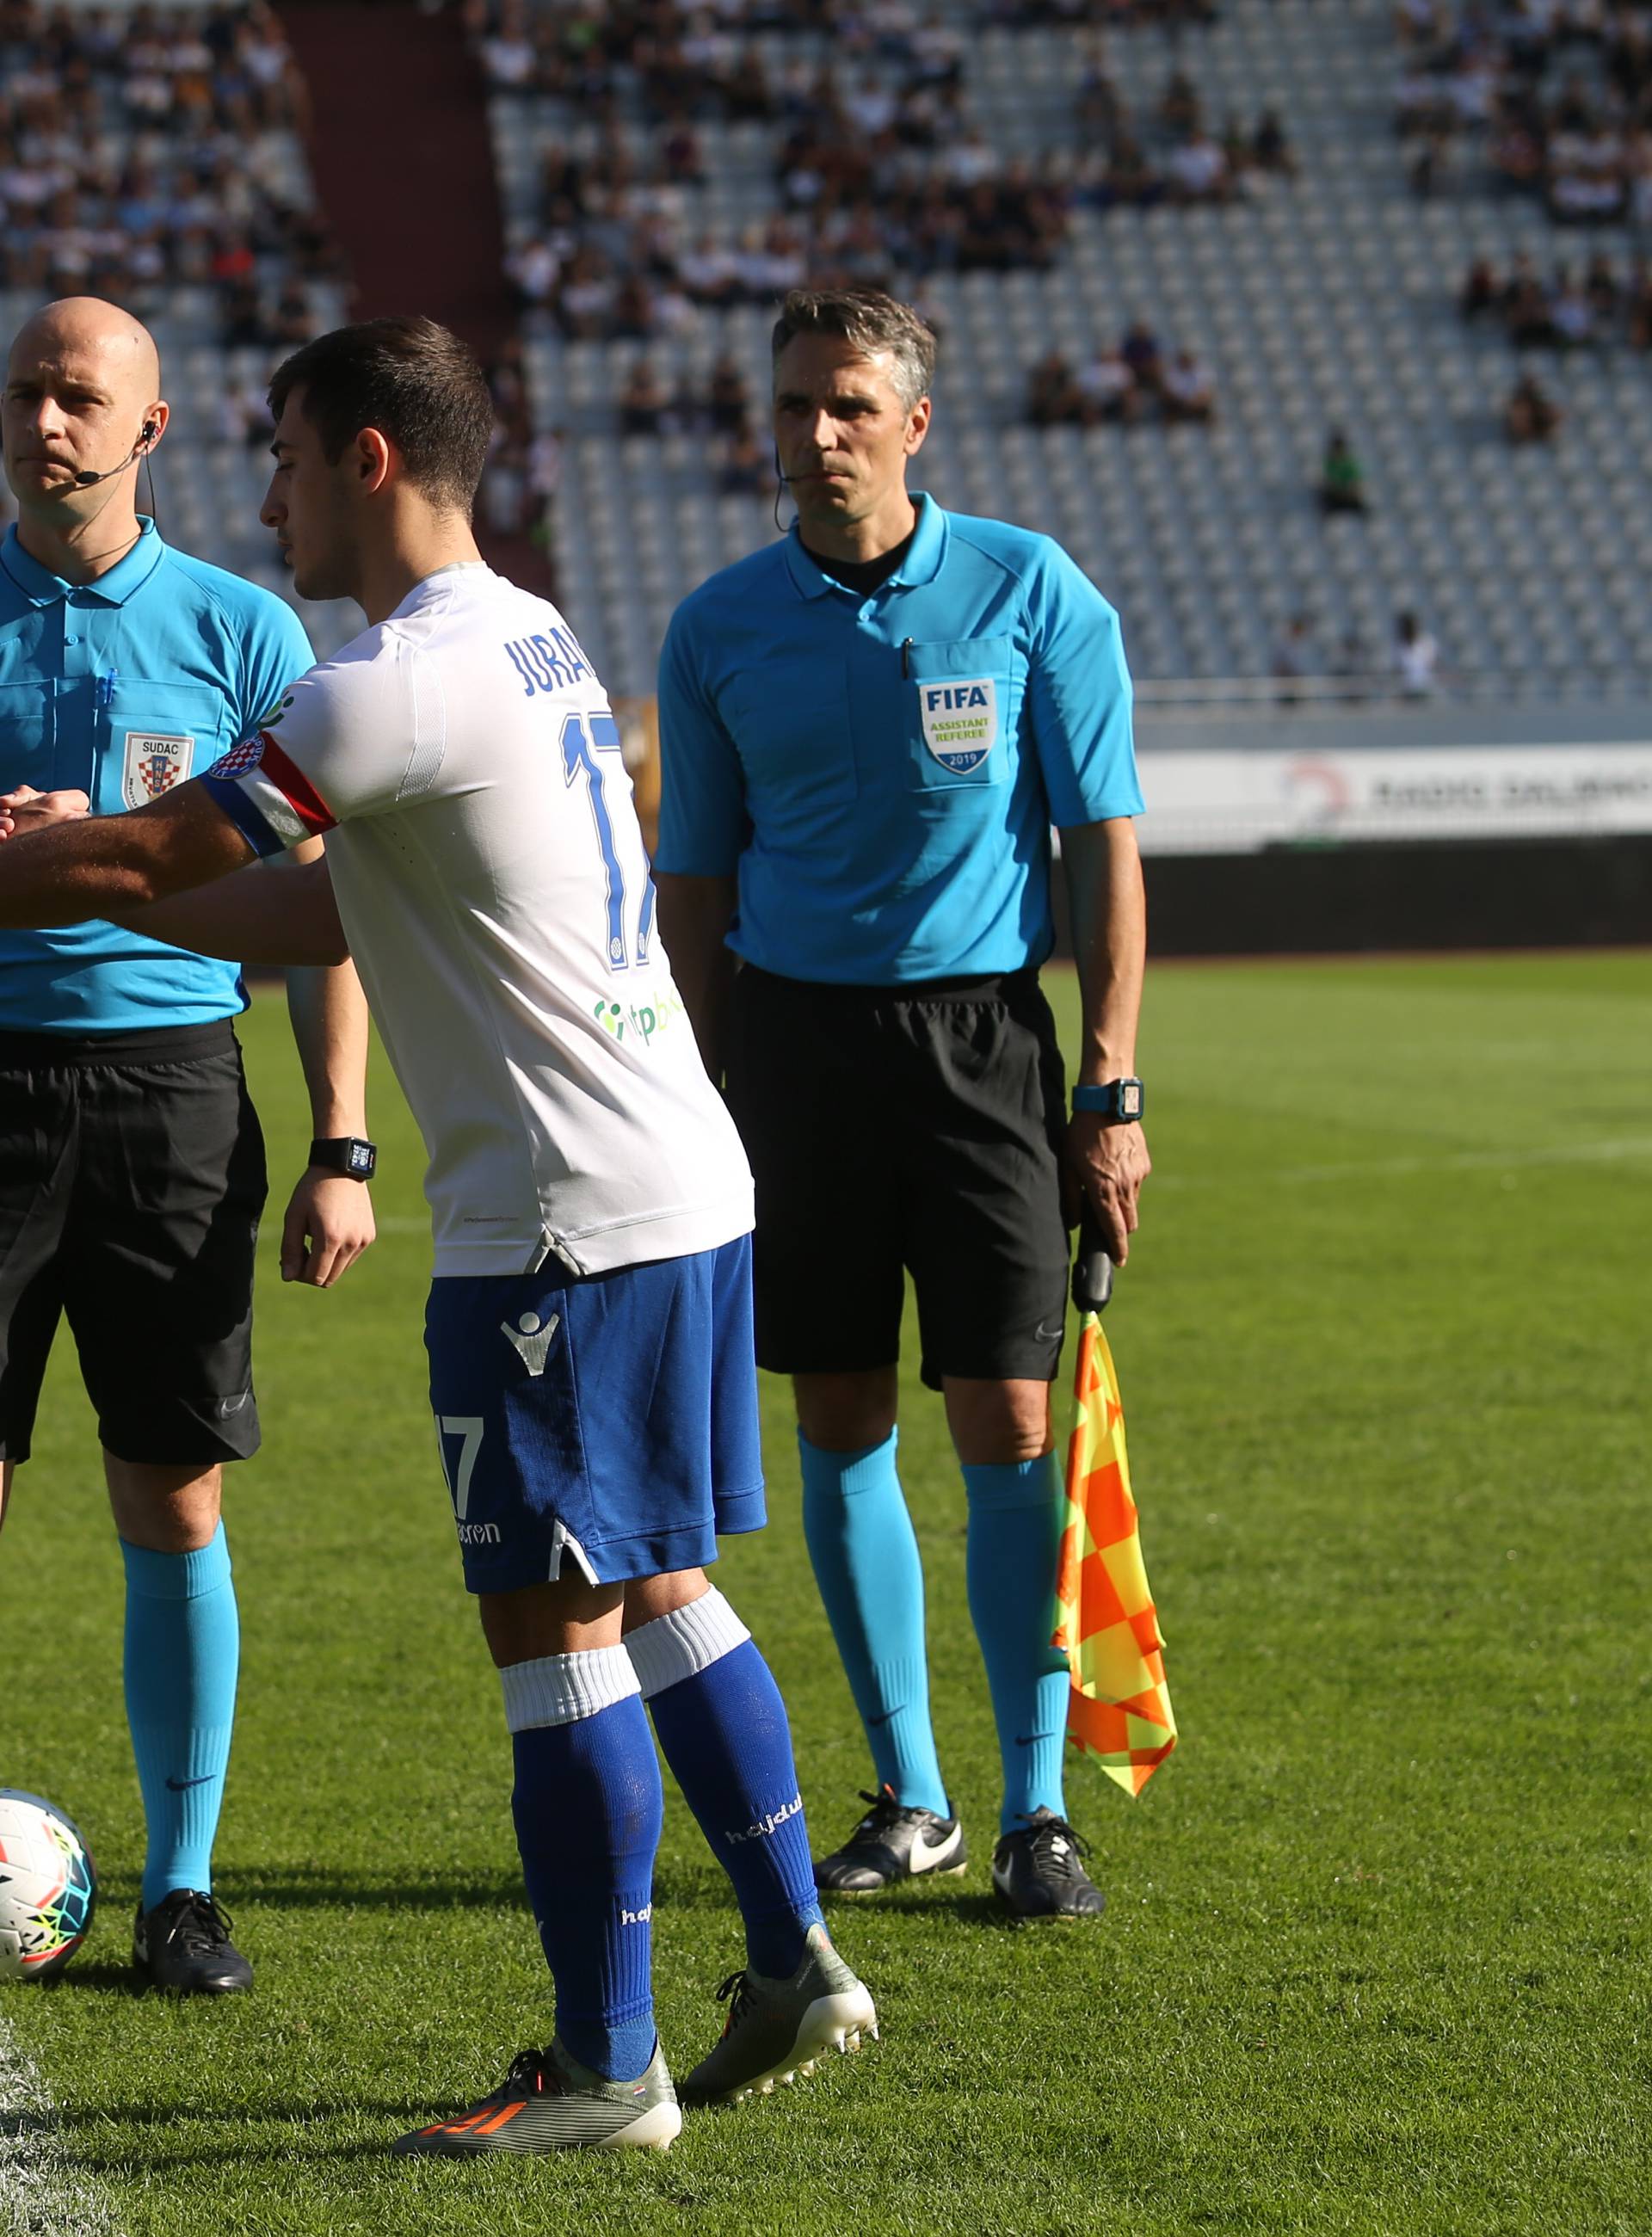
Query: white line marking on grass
1461	1161
40	2195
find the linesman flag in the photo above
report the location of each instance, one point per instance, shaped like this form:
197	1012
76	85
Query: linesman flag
1119	1708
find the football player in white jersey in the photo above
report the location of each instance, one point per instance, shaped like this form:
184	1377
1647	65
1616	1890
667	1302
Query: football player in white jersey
589	1325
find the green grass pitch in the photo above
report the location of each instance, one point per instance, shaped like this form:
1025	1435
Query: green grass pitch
1375	1953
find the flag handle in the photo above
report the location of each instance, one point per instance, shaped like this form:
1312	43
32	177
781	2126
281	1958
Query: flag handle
1092	1273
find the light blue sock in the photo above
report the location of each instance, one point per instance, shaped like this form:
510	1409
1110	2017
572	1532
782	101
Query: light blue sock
866	1564
182	1652
1016	1513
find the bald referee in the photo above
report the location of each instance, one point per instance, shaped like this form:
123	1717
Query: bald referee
132	1172
866	733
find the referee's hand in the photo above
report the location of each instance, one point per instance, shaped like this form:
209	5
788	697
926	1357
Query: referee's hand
25	810
1104	1166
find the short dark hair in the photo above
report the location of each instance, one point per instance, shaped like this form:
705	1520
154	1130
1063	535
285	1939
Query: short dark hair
416	382
871	322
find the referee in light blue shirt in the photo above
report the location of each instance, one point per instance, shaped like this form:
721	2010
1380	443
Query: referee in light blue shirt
131	1165
867	731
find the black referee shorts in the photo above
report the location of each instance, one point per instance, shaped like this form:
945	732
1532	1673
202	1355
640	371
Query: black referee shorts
131	1182
892	1129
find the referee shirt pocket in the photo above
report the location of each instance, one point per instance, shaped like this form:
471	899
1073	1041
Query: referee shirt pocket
26	737
959	714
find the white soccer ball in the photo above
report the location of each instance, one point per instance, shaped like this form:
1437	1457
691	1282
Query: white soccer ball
47	1888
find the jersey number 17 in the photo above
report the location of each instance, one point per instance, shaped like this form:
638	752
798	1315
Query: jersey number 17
584	738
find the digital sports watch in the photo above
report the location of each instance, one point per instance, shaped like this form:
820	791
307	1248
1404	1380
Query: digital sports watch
347	1154
1116	1103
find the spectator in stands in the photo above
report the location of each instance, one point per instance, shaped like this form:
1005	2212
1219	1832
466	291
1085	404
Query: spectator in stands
1108	390
1053	395
1271	150
729	401
1530	415
1198	170
1415	656
1293	656
745	471
642	400
1342	478
1480	293
1144	353
1189	389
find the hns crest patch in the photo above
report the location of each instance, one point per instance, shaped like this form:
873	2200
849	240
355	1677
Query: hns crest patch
959	720
154	762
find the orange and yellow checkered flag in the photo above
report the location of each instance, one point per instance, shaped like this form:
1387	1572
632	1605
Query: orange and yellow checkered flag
1119	1708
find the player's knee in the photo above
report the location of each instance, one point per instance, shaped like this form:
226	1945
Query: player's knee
846	1413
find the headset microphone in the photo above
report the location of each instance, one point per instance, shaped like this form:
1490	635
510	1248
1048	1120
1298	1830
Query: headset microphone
146	435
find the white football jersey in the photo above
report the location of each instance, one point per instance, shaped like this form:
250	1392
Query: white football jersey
492	879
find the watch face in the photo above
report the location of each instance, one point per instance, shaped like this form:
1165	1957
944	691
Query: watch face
1130	1098
361	1157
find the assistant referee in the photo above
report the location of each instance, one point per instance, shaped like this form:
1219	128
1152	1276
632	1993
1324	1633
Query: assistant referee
867	731
132	1171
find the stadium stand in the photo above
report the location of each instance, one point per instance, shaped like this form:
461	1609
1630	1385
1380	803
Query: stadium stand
641	166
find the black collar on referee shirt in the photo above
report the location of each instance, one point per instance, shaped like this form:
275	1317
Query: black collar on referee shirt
921	564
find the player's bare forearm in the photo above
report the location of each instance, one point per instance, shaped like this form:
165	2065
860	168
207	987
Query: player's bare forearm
695	914
329	1219
97	866
1106	1164
278	913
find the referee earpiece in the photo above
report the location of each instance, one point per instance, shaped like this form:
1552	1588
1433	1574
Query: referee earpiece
146	435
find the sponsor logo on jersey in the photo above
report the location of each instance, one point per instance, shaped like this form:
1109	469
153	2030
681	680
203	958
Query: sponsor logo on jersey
960	720
155	760
550	662
268	721
478	1533
643	1020
764	1826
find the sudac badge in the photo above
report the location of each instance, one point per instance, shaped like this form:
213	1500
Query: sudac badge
154	762
959	720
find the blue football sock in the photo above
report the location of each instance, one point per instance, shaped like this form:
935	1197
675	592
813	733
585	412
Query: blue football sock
866	1564
722	1726
182	1652
587	1803
1015	1517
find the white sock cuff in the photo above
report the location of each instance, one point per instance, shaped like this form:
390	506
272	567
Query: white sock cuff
684	1642
560	1688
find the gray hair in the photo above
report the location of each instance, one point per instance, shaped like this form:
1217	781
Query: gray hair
870	321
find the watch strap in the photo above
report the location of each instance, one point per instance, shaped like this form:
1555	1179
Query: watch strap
1118	1100
349	1154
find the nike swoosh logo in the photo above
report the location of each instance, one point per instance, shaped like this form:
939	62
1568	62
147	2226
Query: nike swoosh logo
1042	1334
181	1786
1031	1739
924	1853
885	1719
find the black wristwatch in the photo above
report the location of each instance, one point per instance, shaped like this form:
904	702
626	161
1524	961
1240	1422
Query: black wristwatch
347	1154
1117	1102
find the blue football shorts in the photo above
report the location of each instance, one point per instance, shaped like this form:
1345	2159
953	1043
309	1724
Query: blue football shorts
605	1426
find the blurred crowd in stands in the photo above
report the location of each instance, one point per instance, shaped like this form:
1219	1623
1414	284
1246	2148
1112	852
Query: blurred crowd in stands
1570	309
882	173
1560	92
149	150
1133	381
524	470
1408	666
1178	155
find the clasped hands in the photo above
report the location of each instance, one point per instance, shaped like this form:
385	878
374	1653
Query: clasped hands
26	809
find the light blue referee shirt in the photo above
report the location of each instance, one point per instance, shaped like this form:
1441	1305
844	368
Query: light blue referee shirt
881	771
122	687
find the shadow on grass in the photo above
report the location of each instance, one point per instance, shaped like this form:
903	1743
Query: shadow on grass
307	1887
